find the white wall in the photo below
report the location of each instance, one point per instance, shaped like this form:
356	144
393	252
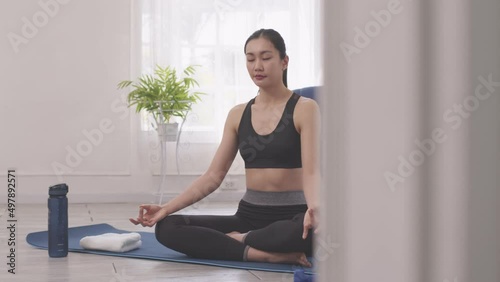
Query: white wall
62	118
59	84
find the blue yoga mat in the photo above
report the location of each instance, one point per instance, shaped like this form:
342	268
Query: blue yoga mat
150	249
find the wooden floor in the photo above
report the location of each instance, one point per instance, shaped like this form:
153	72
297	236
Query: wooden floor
35	265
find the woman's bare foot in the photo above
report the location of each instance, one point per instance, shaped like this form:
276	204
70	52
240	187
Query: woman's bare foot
237	236
291	258
258	255
294	258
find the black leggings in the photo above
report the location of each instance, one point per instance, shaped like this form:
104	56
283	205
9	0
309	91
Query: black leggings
273	229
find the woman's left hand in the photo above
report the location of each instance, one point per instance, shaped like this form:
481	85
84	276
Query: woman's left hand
310	222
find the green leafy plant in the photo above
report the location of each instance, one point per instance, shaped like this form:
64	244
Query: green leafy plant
163	94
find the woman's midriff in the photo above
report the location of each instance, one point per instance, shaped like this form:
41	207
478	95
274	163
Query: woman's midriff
274	179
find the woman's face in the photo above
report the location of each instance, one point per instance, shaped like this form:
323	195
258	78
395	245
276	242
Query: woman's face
263	63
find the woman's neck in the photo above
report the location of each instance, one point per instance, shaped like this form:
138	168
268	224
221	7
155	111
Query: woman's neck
273	95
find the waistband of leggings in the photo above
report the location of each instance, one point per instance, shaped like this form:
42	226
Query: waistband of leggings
283	198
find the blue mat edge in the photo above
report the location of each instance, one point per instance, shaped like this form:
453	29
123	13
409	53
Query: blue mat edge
217	263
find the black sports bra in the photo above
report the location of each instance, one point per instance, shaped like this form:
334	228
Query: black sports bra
278	149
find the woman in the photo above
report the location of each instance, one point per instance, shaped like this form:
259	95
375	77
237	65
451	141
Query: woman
277	136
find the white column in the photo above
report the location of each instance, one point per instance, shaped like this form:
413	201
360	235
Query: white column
371	114
330	244
403	100
445	178
484	187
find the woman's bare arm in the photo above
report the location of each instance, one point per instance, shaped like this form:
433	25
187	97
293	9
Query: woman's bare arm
212	178
308	122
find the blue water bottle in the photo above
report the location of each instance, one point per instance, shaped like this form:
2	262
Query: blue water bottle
58	220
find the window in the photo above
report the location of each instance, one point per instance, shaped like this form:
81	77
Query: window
211	34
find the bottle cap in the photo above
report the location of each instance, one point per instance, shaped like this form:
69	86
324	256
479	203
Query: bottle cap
58	190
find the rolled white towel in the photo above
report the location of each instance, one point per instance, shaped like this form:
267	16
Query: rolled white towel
113	242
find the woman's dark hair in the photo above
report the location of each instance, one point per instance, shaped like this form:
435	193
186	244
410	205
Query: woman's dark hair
276	39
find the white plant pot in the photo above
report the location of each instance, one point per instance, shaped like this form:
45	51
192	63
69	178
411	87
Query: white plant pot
168	132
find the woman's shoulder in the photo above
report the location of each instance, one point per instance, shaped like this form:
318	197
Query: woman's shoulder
305	104
235	114
306	112
238	109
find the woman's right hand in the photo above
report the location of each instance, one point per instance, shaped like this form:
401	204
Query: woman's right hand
149	215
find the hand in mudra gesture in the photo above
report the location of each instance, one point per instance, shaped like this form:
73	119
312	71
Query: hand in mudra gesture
311	221
149	215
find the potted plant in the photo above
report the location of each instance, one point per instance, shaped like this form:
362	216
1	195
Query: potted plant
164	95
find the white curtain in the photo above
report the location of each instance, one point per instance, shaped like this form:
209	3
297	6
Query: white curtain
211	34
